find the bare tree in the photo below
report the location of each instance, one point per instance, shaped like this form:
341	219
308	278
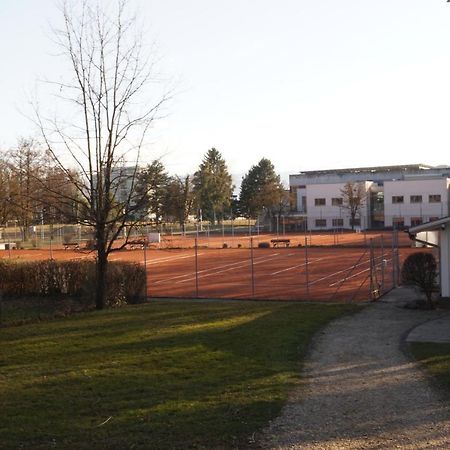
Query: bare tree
110	109
6	178
27	165
353	199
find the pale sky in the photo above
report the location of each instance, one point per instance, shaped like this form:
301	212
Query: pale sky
309	84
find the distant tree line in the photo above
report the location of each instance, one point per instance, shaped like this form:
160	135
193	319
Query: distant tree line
35	190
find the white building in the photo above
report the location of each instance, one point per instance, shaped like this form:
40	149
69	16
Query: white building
325	208
394	197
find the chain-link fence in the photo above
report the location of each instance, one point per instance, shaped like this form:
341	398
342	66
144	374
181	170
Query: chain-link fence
262	268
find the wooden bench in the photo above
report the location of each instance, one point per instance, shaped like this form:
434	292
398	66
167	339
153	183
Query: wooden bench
276	242
71	245
138	243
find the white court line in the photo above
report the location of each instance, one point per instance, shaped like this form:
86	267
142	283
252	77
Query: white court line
200	271
243	264
356	274
160	260
235	266
339	271
299	265
171	258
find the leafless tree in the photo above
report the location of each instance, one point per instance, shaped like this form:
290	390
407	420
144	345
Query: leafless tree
27	165
353	199
6	208
109	108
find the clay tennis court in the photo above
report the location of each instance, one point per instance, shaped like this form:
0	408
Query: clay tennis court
325	273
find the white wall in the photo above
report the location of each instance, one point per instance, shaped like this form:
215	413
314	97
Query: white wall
330	212
408	210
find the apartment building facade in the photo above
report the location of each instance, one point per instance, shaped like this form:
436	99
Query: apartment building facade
393	197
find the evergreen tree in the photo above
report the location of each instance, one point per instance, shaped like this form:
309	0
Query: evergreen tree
261	189
153	183
213	186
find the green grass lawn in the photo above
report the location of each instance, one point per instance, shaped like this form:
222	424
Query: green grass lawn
436	359
160	376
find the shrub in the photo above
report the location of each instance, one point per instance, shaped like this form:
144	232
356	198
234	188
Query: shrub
74	279
263	245
420	269
224	245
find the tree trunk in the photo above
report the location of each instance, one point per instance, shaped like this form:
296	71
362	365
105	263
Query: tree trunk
102	267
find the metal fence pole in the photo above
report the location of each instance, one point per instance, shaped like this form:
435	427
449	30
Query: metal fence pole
382	264
196	267
372	279
252	266
145	266
393	260
397	258
306	266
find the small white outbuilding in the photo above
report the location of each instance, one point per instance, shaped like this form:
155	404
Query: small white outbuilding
436	234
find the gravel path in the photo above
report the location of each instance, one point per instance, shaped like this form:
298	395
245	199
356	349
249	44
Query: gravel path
361	391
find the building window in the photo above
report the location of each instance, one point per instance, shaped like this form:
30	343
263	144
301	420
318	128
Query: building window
434	198
397	199
338	222
321	222
415	199
356	222
398	223
319	202
416	221
337	201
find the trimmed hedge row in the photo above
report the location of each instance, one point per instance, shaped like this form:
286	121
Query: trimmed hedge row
75	279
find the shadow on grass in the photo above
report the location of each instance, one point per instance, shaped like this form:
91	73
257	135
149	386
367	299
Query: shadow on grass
161	376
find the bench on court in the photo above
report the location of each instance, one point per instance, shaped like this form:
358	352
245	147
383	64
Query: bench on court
72	245
137	243
276	242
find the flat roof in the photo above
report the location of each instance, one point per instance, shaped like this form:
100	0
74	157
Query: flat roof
374	169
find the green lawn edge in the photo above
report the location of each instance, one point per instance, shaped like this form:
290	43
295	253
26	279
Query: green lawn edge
162	375
435	359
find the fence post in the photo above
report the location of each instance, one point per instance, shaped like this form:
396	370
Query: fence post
196	267
145	266
373	285
253	269
382	264
394	261
397	258
306	266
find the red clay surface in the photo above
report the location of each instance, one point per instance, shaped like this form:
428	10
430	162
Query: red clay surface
294	273
217	240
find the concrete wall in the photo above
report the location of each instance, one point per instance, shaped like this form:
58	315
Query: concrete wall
409	210
328	212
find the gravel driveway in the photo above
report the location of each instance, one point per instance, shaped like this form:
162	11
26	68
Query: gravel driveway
361	391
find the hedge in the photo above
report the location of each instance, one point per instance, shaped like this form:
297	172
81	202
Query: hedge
74	279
